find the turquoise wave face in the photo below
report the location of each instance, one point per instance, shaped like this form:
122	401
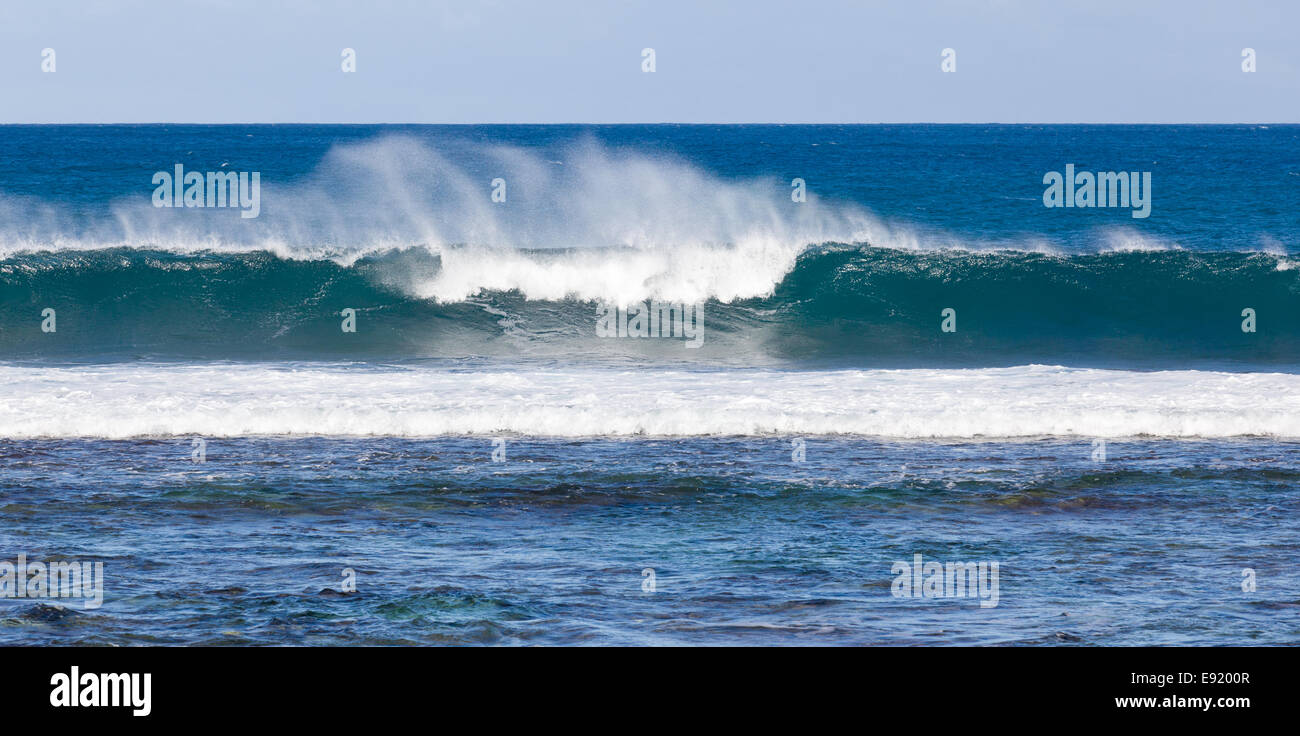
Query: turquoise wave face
843	305
953	216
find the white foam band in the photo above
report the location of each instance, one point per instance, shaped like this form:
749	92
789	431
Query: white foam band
215	400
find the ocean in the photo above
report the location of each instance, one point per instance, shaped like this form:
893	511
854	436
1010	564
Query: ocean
650	384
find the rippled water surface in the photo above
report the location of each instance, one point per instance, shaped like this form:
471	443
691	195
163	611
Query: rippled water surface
747	547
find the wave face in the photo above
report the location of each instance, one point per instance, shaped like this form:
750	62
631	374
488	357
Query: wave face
399	224
135	400
858	306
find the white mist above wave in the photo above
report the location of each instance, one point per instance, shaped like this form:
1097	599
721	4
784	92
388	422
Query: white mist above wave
585	221
595	223
138	400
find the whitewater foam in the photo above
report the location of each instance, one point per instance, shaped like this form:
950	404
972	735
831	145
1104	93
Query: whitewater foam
223	400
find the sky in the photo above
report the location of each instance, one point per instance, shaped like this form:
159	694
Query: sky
561	61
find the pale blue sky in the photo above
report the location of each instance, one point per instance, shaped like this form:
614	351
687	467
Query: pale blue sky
512	61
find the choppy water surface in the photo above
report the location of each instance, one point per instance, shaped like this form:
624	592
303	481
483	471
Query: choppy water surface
747	547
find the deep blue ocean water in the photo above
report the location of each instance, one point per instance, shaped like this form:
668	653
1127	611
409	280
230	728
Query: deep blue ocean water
1099	424
550	546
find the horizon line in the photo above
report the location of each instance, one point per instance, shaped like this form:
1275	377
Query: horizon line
187	122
